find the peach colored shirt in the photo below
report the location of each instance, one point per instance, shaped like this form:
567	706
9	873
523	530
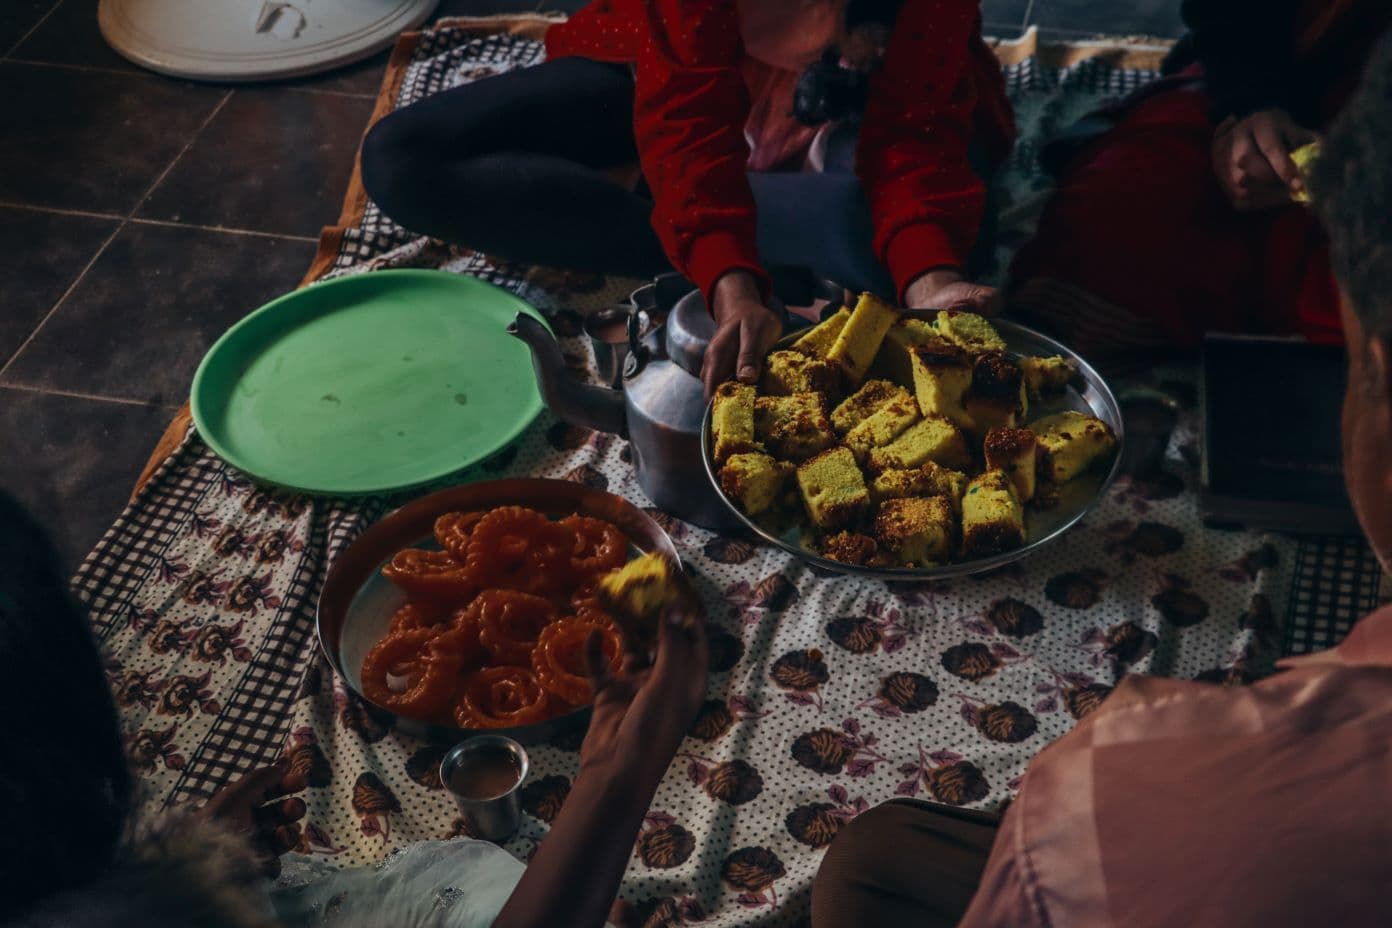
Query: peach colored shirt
1188	804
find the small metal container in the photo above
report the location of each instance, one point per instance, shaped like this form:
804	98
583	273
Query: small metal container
494	818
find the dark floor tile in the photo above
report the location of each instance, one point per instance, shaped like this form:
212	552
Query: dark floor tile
18	17
73	462
363	78
41	254
494	7
157	298
71	36
1004	12
1110	17
271	160
90	140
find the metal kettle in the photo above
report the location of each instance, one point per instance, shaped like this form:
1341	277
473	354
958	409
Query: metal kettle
661	402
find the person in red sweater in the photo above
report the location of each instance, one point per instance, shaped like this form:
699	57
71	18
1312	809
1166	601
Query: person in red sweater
1177	217
736	111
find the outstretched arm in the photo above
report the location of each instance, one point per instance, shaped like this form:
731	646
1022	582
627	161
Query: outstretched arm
925	199
690	107
639	721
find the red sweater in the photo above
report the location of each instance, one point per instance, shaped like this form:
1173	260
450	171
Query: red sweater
938	88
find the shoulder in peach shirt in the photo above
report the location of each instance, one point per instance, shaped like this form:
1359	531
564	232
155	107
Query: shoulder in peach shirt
1188	804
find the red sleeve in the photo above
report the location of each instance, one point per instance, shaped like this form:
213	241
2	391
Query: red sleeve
925	200
689	112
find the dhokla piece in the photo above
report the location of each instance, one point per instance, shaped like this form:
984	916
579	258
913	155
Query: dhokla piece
920	531
968	331
849	548
637	595
732	420
997	396
816	342
793	428
893	361
1013	451
929	480
942	375
872	396
855	348
892	420
789	372
755	481
933	438
1070	443
833	489
993	519
1048	376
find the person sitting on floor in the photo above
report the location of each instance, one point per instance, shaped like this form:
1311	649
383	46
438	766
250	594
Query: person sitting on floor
534	165
67	856
1178	218
1183	803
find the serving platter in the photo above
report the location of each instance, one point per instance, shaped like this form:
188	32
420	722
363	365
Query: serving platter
1043	526
368	384
357	603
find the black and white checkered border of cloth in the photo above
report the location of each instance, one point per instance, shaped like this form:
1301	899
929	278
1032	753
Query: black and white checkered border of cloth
249	731
1337	581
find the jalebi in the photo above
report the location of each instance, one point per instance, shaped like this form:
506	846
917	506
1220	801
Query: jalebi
584	596
479	636
597	546
510	623
431	574
559	656
452	531
431	675
461	637
502	697
508	548
418	615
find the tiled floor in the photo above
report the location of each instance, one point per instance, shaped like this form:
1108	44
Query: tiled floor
140	216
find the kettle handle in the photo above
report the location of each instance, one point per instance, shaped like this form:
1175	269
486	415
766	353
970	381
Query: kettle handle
635	336
582	404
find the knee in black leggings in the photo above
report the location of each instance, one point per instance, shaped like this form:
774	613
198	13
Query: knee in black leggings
397	166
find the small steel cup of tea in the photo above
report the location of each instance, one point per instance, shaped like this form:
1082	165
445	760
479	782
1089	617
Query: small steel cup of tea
484	774
608	333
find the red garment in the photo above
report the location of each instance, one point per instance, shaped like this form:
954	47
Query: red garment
938	88
1140	222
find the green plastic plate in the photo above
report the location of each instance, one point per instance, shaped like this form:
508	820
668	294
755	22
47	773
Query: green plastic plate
368	384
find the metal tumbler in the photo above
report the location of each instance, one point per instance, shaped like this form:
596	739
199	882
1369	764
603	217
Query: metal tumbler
490	817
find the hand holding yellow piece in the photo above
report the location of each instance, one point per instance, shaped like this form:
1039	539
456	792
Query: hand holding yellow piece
1305	157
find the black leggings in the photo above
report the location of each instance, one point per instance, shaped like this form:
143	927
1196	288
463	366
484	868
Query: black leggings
513	166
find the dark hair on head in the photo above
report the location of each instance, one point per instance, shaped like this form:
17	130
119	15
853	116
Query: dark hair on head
868	12
64	785
826	91
1352	187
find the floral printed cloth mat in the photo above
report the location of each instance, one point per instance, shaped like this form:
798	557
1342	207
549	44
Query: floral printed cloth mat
827	695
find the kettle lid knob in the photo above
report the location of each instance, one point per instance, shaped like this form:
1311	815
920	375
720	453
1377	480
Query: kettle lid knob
690	329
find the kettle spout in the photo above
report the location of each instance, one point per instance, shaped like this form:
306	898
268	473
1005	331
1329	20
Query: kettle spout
585	405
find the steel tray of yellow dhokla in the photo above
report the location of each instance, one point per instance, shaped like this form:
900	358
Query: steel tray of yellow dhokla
914	447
